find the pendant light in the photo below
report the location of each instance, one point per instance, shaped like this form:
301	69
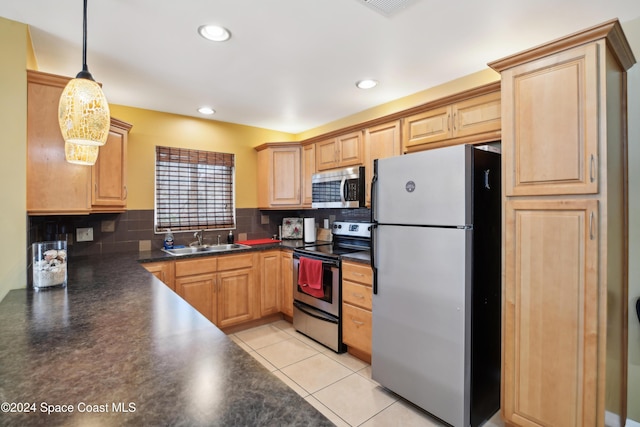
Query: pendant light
83	112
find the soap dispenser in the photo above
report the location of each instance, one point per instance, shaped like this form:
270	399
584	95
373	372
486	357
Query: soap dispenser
230	237
168	239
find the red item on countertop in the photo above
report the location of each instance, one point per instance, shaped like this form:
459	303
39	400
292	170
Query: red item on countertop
258	242
310	277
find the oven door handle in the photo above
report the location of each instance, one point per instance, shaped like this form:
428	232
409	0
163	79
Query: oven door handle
314	313
333	264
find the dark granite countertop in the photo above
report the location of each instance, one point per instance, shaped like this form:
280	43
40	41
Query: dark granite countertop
118	347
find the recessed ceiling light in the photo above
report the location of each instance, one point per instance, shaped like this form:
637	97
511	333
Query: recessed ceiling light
214	32
206	110
367	84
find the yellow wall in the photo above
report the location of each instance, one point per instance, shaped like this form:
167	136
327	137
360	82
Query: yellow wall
13	143
151	128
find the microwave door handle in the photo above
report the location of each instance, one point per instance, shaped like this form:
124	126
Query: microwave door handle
343	191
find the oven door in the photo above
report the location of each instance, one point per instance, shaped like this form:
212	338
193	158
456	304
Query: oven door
329	302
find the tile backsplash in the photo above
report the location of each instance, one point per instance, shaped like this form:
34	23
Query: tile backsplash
133	230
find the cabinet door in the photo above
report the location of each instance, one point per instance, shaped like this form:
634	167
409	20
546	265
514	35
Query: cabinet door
349	149
550	313
550	124
286	304
380	142
235	297
326	155
477	115
308	169
54	186
163	270
269	282
199	291
109	174
424	128
284	178
356	328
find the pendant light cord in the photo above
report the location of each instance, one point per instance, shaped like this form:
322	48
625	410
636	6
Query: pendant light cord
84	74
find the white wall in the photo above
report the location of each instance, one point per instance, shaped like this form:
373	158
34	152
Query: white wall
13	144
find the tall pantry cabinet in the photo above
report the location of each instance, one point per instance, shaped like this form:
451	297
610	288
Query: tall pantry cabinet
564	148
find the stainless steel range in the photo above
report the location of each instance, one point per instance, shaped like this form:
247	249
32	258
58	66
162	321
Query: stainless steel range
317	311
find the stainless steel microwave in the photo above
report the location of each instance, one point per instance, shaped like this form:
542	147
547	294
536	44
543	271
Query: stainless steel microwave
339	188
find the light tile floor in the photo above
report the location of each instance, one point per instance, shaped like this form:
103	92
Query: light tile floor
338	385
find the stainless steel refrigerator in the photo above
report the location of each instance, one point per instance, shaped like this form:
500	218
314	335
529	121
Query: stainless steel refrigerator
436	257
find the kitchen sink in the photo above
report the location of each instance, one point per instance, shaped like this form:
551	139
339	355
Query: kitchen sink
198	249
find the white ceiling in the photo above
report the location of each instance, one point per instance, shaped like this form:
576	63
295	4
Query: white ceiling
291	65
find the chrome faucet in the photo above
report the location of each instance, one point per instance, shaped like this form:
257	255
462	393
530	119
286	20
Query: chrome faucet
198	235
218	240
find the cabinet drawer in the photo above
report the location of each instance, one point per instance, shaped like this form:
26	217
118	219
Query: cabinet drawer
232	262
361	273
196	266
356	328
356	294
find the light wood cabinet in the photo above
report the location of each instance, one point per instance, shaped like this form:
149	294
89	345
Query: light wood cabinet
565	230
279	175
308	169
164	271
221	288
199	290
109	174
357	282
270	277
551	312
238	298
342	151
195	282
55	186
286	290
476	119
380	142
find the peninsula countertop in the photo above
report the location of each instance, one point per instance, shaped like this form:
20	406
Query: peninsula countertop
118	347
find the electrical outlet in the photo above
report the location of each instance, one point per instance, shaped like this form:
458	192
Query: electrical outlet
264	219
84	234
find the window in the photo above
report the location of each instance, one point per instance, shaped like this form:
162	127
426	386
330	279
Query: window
194	190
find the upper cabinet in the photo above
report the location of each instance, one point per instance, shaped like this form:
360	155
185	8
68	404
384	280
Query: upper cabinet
476	119
55	186
556	154
109	174
380	142
341	151
308	169
279	175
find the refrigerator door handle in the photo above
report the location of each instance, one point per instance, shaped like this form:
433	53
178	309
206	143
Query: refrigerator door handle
486	179
372	252
374	226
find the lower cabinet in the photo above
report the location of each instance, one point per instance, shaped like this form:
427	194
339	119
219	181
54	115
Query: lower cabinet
270	267
232	289
199	290
221	288
163	270
286	294
357	282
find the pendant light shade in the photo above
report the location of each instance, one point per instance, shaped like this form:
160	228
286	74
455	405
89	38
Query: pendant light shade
83	112
81	154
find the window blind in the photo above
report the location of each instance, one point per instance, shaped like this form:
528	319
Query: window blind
194	190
